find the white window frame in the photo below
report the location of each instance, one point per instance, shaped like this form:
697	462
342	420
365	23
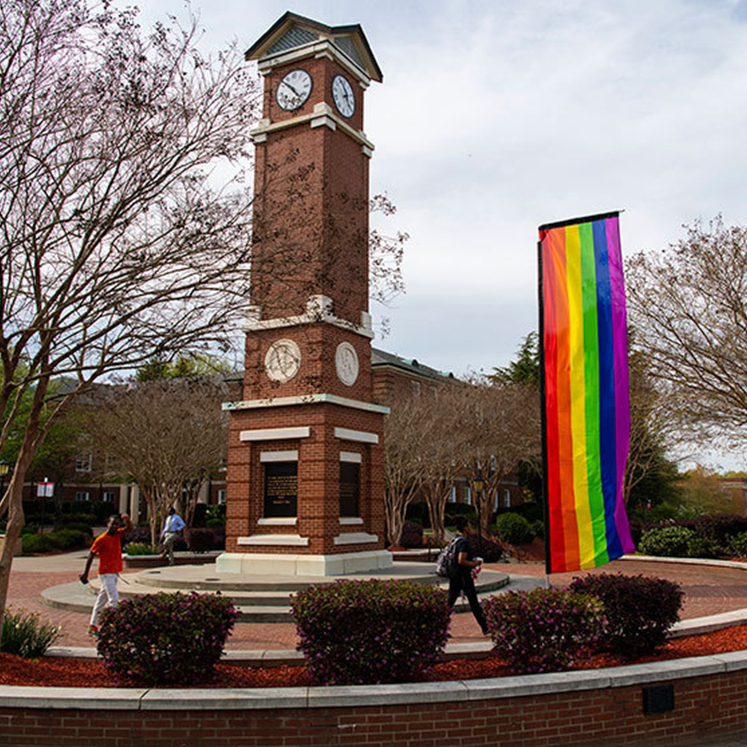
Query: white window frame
84	462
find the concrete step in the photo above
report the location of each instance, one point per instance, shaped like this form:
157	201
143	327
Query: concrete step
256	601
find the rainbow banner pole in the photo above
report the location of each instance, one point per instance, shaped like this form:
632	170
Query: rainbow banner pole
585	397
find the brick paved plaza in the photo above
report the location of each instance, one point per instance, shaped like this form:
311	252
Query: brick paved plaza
709	590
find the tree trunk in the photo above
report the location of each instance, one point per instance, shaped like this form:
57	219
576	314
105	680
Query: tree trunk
12	534
16	520
435	497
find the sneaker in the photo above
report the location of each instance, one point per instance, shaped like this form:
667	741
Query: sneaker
93	631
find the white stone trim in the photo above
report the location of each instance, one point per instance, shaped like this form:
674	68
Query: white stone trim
346	521
319	308
356	538
351	456
271	434
279	522
303	399
278	456
324	121
277	540
290	564
315	119
319	48
346	434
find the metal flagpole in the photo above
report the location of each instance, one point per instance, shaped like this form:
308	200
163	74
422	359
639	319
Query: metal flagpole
543	413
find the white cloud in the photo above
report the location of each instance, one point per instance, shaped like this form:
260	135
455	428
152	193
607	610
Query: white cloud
495	117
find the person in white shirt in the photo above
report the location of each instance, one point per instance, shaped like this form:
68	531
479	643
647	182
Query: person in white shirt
172	528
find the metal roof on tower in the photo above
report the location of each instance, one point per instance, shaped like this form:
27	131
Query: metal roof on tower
292	31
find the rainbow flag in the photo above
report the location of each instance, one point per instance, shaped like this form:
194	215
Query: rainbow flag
586	423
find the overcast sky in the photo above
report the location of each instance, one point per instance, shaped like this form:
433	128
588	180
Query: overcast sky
496	116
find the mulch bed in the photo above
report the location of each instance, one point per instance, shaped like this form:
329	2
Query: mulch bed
53	672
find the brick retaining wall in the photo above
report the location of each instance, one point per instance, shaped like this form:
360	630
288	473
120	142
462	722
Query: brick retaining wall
602	707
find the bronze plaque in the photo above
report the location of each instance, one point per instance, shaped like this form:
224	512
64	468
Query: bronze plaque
281	489
349	489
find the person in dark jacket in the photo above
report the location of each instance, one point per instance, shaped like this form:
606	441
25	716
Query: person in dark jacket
462	580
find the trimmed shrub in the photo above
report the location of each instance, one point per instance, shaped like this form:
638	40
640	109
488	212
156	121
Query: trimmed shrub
24	634
485	548
200	540
34	543
738	545
68	539
140	548
165	639
640	610
700	547
669	542
545	630
412	535
367	632
64	539
514	529
538	528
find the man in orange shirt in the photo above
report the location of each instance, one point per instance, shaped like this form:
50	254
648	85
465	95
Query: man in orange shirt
108	547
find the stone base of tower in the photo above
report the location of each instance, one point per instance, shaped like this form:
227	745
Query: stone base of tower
270	564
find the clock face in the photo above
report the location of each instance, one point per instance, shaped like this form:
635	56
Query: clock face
343	96
283	360
293	90
346	362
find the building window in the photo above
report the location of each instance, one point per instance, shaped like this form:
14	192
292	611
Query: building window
83	462
507	497
222	496
109	496
81	496
452	494
415	388
468	495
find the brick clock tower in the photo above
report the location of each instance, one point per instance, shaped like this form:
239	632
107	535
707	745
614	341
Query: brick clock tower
305	488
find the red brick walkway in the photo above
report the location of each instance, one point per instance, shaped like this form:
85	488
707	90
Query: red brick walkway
708	590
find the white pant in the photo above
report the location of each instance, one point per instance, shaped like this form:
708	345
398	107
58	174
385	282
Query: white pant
107	593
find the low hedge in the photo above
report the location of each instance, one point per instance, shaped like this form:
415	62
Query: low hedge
640	610
669	542
484	547
200	540
545	630
64	539
368	632
514	529
165	639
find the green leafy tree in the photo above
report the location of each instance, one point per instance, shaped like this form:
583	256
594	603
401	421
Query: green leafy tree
196	364
525	368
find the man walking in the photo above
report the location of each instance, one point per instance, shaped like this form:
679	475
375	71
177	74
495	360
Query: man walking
108	548
461	580
172	527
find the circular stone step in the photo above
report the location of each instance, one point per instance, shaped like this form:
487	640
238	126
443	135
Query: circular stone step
257	599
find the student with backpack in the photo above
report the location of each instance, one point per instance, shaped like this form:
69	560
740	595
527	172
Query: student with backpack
460	578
